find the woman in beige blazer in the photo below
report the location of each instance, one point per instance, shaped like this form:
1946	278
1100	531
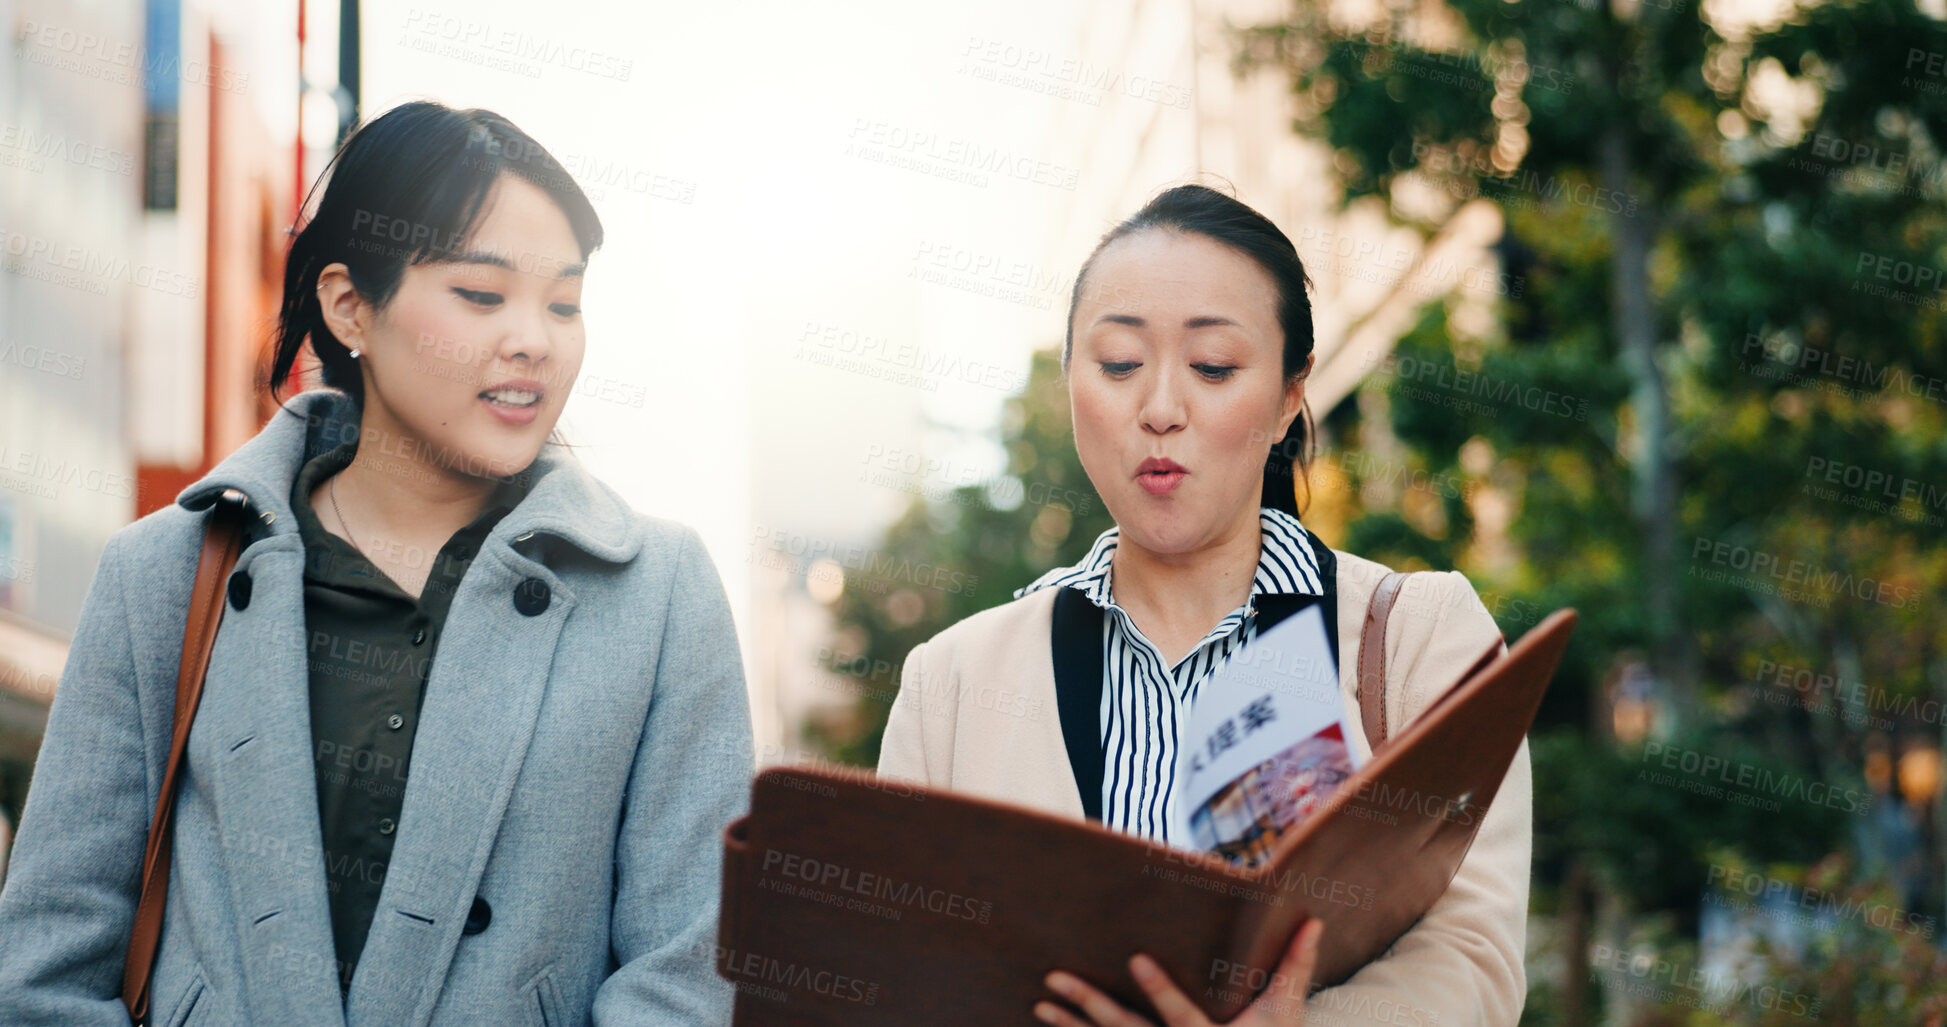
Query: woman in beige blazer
1189	339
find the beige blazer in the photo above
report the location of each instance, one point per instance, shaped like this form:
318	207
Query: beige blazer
976	713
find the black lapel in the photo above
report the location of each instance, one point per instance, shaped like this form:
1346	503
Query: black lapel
1328	579
1077	641
1274	607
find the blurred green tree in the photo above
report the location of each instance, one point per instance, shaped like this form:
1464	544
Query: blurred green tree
999	535
1722	264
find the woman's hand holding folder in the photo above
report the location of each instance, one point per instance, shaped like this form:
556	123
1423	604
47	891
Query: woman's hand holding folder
1281	1003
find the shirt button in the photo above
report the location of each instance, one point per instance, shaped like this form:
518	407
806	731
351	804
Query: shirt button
386	825
395	722
419	637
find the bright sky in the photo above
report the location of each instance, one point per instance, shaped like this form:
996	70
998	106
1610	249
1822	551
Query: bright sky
754	224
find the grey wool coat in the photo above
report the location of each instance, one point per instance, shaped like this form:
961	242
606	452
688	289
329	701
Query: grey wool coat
573	769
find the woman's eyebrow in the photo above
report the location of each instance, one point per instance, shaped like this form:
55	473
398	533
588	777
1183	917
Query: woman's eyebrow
574	270
483	257
1203	321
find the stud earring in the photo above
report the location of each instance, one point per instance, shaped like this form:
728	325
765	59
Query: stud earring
354	352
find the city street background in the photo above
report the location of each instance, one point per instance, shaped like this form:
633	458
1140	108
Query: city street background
1629	305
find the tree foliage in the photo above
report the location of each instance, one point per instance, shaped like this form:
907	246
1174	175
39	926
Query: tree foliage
1710	411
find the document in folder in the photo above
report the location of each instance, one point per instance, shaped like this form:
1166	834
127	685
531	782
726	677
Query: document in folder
1265	744
850	899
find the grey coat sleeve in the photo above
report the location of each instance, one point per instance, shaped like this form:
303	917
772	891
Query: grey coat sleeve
69	900
690	779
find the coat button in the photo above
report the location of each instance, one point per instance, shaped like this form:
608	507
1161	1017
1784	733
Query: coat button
395	722
239	590
478	917
386	826
531	597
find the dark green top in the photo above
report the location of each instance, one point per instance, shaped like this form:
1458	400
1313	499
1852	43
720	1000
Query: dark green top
370	649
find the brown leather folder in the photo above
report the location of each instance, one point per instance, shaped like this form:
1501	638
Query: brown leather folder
850	899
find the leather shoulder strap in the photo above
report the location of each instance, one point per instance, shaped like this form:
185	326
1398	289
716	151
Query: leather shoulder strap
1077	642
222	542
1328	580
1372	658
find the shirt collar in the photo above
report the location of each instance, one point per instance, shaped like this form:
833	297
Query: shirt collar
333	560
1287	563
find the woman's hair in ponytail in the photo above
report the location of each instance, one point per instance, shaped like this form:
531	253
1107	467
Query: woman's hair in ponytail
1205	211
405	189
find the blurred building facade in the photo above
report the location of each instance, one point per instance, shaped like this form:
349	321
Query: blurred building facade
148	167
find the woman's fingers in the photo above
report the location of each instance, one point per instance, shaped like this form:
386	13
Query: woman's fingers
1284	1001
1169	1000
1302	957
1102	1010
1049	1012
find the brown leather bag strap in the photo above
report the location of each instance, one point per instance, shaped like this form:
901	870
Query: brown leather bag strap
1372	658
222	542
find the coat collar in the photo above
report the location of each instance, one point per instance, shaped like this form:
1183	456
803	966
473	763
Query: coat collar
564	501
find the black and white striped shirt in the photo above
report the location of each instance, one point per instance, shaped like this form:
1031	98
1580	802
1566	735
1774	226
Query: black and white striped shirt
1144	702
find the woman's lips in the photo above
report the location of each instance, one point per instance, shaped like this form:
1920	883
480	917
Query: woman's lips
515	402
512	414
1162	483
1159	476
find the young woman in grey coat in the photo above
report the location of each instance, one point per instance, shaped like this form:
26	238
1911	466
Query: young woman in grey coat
428	581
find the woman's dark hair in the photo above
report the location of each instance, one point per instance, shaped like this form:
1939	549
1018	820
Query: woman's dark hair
1205	211
406	188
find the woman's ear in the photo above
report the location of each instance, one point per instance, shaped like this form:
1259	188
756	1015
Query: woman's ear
1294	397
343	309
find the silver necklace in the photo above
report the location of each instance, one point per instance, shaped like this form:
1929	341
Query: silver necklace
331	492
